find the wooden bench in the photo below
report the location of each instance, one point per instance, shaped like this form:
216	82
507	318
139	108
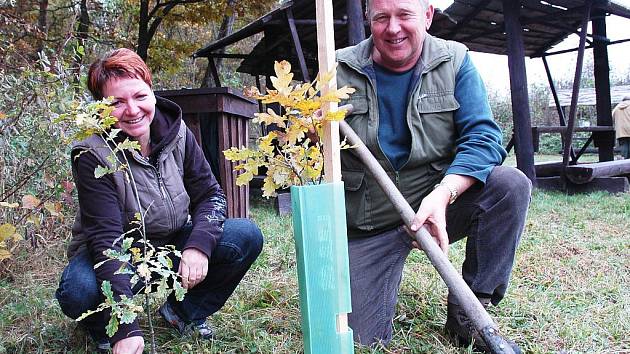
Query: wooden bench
226	114
597	132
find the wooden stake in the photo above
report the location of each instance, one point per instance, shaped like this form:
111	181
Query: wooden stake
326	56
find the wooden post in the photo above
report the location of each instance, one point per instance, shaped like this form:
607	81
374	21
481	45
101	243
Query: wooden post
604	142
356	28
518	85
326	57
568	136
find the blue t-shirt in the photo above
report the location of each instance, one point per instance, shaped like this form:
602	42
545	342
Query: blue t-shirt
394	136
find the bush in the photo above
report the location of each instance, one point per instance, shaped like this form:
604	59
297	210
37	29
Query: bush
36	187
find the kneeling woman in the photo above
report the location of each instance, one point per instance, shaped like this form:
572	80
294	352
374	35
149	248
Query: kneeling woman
186	208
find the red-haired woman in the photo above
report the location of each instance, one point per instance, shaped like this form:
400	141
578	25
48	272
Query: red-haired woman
186	208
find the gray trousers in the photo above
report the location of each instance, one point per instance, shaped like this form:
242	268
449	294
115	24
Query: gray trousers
492	216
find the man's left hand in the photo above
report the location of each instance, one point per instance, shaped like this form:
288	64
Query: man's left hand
193	267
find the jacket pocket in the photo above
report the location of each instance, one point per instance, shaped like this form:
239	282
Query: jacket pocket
437	103
355	191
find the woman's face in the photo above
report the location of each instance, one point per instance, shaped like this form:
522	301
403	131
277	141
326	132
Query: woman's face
134	106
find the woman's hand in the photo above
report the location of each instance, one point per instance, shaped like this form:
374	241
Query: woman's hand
129	345
193	267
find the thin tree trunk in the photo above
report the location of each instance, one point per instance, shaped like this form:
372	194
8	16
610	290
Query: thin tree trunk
226	29
81	34
42	23
143	30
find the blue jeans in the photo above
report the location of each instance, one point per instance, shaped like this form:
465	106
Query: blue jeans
237	249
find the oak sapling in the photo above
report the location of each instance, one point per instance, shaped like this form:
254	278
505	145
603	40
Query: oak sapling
150	268
293	155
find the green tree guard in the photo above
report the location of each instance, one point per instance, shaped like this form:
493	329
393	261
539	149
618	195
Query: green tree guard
321	245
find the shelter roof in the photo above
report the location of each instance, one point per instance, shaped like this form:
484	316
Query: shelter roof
480	25
587	96
477	23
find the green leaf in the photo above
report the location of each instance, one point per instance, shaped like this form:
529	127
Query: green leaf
106	289
127	316
101	171
112	326
129	145
126	245
180	292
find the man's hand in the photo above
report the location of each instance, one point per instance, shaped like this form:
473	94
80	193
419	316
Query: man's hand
193	267
432	213
130	345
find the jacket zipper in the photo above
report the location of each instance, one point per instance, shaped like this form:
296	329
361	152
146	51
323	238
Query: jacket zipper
166	198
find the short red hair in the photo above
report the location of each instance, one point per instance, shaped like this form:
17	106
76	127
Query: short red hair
117	64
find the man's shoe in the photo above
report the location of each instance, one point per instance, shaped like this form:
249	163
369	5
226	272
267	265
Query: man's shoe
462	331
201	328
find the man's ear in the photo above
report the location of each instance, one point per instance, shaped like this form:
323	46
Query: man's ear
429	16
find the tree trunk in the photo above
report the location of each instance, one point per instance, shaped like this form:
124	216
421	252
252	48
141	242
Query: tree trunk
143	30
81	35
42	23
226	28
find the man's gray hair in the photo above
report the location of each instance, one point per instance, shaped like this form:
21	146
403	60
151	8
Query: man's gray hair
424	3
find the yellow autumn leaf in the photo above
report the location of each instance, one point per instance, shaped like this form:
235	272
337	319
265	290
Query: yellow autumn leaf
269	187
336	116
3	115
282	81
265	144
307	107
270	118
4	254
34	219
30	202
53	208
6	231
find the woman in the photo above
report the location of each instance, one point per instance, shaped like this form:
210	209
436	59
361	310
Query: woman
175	184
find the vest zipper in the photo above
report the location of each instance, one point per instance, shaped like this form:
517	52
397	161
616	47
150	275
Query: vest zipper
166	198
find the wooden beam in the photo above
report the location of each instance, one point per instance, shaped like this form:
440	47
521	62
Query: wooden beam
215	73
552	86
518	84
568	136
297	45
356	27
584	173
605	143
608	184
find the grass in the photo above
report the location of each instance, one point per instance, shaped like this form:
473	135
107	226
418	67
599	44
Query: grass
569	291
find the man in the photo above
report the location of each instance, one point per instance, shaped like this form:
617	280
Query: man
422	109
621	119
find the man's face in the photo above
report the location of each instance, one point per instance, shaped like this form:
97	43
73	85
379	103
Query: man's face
398	30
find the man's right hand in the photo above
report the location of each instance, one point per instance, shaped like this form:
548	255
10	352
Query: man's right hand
130	345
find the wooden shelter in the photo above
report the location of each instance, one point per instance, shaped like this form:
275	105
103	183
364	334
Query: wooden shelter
513	28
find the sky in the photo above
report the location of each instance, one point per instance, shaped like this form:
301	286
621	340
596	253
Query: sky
494	68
